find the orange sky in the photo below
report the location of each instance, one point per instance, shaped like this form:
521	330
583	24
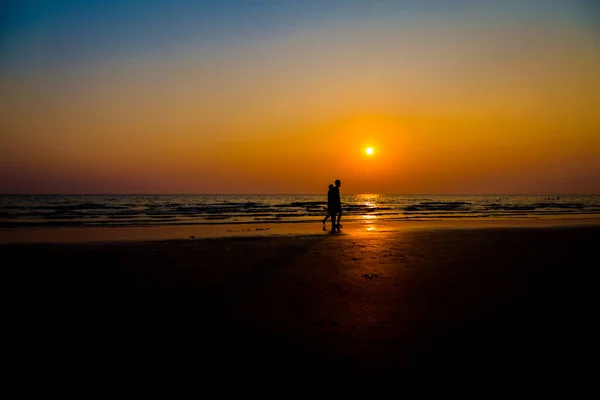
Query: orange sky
467	103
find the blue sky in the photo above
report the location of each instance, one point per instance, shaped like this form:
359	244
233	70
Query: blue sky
44	33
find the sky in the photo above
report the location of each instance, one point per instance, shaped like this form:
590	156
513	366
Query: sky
463	97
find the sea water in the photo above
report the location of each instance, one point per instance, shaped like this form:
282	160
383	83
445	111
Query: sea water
38	211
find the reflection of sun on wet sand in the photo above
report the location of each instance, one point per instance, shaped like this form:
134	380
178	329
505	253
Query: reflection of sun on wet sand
462	301
368	224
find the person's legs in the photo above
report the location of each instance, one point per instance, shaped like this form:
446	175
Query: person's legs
333	219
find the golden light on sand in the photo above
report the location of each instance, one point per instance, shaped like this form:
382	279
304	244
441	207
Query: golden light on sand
369	150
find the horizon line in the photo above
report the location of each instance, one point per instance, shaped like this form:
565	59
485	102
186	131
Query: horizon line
298	194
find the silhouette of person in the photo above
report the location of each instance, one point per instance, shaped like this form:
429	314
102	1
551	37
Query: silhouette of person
328	202
334	205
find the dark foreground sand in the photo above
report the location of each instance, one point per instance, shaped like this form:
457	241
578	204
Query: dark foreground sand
495	302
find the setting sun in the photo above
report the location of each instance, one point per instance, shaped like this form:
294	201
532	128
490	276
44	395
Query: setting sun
369	150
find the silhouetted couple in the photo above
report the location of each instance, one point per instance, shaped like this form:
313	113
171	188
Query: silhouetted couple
334	207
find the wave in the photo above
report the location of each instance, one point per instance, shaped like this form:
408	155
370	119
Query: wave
129	210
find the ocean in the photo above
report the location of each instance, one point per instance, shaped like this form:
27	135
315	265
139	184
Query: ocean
39	211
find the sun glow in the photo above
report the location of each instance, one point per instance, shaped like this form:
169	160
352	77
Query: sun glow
369	150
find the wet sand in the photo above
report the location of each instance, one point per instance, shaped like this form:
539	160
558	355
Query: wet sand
222	230
471	302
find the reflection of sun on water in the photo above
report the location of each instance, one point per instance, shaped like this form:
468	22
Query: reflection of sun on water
368	197
369	202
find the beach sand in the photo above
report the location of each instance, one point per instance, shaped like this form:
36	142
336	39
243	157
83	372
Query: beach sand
493	301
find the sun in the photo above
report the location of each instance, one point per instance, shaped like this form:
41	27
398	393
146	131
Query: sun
369	150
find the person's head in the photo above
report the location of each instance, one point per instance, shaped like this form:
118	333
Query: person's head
330	186
338	183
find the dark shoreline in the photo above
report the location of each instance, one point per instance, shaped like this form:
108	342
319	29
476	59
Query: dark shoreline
469	301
